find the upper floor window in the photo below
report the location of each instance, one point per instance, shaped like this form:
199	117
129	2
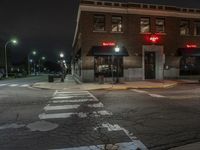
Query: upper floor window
160	25
184	27
117	24
197	28
145	25
99	22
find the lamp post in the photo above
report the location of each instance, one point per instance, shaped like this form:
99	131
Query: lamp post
6	62
62	66
33	53
42	58
117	50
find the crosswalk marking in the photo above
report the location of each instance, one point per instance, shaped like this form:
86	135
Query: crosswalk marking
73	101
44	116
48	107
14	85
69	97
65	105
25	85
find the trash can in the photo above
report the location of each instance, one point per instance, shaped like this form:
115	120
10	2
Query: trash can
101	79
50	78
62	78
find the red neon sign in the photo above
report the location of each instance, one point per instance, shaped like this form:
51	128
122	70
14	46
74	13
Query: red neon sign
154	38
191	46
108	44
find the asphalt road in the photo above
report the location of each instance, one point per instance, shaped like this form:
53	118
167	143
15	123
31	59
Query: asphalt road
36	119
161	119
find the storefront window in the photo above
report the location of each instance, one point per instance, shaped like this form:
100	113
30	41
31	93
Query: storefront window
116	24
99	22
184	27
190	66
104	65
145	25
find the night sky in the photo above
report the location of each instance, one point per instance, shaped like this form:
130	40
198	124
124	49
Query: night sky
48	25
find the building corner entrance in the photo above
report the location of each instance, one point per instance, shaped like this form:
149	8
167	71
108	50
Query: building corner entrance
153	62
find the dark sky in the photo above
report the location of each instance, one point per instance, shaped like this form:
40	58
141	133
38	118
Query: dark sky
48	25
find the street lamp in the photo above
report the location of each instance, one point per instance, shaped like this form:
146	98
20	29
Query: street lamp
62	55
62	66
33	53
42	58
13	41
117	50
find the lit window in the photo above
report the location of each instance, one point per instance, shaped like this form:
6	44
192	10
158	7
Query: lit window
197	28
184	27
99	23
144	25
108	65
117	24
160	25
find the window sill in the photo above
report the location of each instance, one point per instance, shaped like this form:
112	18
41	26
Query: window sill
147	33
100	31
161	33
186	35
117	32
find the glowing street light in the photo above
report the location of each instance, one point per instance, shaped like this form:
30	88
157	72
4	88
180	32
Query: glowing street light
13	41
41	59
117	49
62	55
30	61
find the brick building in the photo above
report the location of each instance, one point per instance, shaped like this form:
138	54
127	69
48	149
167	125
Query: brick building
152	41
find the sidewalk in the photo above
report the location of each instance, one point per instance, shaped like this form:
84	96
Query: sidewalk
70	84
194	146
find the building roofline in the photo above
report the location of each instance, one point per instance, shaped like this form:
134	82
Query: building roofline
134	8
77	24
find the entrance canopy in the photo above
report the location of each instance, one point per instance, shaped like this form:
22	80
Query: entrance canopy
107	51
189	51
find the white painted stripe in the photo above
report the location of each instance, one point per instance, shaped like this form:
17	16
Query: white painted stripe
3	84
78	94
63	107
63	92
102	113
68	115
24	85
93	96
157	95
140	91
118	146
98	105
73	101
13	85
68	97
55	116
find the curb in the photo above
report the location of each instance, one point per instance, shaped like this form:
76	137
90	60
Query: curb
113	87
127	88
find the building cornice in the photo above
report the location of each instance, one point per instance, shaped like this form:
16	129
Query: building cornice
149	12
